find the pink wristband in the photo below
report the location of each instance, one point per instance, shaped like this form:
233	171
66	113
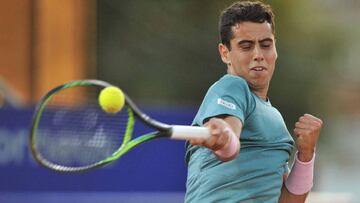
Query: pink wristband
300	180
229	150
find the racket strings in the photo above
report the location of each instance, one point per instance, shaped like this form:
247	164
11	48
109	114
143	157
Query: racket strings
74	131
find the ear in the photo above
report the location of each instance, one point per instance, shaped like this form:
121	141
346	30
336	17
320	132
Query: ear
276	54
224	53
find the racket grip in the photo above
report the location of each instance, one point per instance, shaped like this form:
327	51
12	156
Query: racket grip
184	132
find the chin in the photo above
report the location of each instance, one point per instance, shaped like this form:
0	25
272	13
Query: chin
257	85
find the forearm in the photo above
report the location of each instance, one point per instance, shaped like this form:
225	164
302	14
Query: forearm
224	138
288	197
232	148
300	180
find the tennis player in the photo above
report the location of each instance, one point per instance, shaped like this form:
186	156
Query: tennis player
246	157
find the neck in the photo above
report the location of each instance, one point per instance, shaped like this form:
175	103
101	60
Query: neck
262	93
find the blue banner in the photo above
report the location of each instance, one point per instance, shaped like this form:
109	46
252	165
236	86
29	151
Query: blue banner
156	166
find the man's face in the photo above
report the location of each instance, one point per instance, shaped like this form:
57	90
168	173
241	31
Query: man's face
252	55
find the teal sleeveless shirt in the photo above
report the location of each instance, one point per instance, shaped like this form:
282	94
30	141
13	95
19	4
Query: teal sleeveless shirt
256	174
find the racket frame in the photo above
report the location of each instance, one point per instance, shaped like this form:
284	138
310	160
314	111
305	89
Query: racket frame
163	130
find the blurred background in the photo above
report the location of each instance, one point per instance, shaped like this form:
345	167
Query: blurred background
164	55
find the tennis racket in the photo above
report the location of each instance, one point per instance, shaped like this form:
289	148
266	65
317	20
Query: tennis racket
71	133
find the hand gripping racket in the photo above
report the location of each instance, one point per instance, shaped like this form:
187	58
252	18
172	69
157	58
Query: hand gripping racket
71	133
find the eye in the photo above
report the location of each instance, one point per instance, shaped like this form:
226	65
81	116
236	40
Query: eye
246	46
266	45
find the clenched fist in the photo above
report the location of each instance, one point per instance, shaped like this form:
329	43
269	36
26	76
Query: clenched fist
307	130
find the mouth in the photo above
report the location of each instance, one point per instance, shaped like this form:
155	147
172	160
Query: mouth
258	68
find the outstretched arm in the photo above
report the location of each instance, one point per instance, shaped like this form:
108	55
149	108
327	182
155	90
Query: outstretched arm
224	140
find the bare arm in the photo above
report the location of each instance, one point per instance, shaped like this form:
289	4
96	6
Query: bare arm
288	197
307	130
221	130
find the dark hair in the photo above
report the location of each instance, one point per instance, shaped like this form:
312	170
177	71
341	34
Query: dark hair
243	11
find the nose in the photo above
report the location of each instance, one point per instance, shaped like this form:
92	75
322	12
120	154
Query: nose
258	55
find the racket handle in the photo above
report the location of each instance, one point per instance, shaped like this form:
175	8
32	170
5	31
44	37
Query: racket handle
184	132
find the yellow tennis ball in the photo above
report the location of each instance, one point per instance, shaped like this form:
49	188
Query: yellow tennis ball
111	99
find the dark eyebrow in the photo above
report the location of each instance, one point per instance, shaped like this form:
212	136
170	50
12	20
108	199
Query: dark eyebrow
252	42
266	40
245	42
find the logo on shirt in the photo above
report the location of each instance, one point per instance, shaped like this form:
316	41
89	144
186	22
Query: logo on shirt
227	104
